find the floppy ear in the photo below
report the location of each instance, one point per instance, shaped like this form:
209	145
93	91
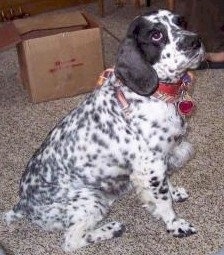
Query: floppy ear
133	69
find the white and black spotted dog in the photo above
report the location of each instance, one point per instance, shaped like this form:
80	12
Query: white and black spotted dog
100	150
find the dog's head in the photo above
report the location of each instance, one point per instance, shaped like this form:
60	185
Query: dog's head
157	48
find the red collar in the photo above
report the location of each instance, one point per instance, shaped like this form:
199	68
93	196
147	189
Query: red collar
172	92
171	89
175	93
169	92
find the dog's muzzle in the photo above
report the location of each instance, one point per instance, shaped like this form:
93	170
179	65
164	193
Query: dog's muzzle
190	42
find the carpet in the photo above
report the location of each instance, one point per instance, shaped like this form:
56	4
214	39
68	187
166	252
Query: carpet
24	126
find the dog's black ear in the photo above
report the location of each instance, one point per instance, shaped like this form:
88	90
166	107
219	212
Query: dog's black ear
132	68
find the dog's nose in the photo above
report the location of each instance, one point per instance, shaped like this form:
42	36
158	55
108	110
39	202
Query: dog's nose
195	42
191	42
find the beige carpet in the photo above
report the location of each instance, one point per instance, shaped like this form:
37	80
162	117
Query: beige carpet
25	125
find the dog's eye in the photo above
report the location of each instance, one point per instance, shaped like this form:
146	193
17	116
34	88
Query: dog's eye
157	36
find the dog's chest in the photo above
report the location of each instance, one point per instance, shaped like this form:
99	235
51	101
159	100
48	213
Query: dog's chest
157	120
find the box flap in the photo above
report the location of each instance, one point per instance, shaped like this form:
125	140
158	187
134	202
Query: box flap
92	20
9	36
50	21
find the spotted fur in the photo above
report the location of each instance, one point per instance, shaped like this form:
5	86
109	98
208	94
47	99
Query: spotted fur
97	153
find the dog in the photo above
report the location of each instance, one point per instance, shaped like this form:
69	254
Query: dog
121	137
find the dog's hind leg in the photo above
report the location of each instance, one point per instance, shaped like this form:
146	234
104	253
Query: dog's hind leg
85	233
84	216
77	213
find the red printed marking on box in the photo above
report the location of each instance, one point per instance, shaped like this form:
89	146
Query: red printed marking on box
59	65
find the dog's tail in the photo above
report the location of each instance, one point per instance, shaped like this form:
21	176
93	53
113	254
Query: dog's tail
13	215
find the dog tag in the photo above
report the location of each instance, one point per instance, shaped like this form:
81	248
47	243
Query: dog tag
186	105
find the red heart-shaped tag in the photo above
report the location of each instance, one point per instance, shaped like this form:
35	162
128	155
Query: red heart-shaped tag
186	107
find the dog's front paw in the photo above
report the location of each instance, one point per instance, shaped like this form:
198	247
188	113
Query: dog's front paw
180	228
179	194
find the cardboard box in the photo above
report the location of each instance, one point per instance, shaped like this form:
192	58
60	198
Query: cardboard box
60	55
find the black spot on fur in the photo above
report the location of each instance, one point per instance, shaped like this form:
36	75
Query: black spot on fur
161	138
119	233
169	139
154	178
96	117
155	124
163	190
99	141
155	183
89	239
165	130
